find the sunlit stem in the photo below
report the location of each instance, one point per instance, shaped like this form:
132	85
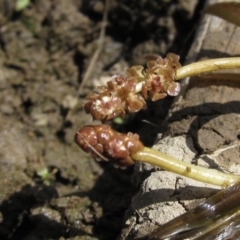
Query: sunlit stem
207	66
172	164
201	67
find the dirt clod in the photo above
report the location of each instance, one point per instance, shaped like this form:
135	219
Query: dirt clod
49	189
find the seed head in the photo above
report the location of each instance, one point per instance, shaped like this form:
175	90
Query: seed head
101	141
127	93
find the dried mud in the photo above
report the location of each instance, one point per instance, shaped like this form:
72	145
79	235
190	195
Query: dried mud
50	189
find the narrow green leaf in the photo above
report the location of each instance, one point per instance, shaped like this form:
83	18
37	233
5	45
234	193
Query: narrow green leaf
229	11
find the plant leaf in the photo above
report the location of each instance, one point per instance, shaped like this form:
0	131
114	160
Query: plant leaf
229	11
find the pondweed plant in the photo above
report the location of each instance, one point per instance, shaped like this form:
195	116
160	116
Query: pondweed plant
127	94
219	216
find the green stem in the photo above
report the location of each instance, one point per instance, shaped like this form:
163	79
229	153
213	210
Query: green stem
172	164
207	66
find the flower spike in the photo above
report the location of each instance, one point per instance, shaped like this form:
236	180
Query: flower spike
127	93
101	141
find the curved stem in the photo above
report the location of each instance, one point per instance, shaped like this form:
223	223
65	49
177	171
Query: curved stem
225	224
172	164
207	66
217	213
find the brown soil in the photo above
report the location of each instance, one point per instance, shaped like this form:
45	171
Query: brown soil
50	189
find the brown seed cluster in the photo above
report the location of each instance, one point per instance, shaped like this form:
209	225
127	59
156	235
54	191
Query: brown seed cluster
160	80
115	99
102	142
127	93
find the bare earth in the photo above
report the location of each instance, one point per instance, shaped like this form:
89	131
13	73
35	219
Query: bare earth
49	189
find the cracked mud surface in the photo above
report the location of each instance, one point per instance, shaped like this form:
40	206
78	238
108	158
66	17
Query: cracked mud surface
206	134
49	189
202	127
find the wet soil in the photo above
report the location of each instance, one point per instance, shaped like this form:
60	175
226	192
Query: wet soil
50	189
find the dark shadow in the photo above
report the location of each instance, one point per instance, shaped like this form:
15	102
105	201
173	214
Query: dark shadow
113	192
157	196
207	111
147	122
19	223
41	227
215	54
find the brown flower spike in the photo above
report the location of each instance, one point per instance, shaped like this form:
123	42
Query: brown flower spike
101	141
127	93
161	74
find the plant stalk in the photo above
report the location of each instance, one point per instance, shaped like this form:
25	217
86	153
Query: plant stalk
172	164
207	66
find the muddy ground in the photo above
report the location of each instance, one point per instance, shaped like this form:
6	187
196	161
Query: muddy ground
49	189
